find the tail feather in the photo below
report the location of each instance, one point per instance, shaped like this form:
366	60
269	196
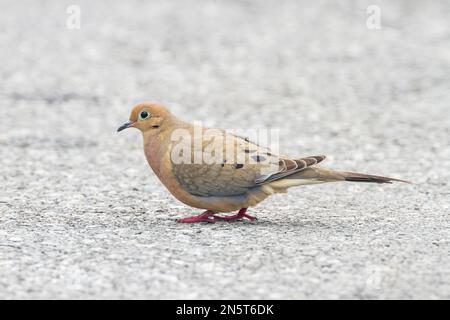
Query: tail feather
319	174
361	177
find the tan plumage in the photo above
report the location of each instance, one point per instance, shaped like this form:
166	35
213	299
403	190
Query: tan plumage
247	178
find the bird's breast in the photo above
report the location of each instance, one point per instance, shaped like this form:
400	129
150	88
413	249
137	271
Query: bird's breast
158	157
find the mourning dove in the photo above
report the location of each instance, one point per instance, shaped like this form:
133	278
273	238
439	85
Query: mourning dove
218	171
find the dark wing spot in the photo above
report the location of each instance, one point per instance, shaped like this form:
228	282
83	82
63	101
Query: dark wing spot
238	165
258	158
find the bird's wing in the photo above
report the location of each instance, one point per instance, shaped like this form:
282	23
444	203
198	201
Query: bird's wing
288	167
241	166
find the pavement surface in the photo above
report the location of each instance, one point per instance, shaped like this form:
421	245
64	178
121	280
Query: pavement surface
83	216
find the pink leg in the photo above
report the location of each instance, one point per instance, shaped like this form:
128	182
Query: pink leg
241	214
207	216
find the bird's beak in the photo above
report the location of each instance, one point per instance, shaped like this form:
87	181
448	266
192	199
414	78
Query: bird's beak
125	126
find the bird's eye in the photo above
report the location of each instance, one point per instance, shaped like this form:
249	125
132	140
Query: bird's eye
144	115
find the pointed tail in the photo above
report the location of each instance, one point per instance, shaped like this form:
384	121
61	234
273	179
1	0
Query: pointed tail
319	174
361	177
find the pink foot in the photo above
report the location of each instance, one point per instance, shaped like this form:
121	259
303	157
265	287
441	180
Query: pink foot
241	214
207	216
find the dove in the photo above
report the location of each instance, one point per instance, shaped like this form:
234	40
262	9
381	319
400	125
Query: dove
221	172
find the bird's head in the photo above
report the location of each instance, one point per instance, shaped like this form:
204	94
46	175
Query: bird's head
148	117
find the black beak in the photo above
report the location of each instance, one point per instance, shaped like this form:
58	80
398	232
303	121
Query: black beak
125	125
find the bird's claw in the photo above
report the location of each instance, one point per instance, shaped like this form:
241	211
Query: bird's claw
236	217
209	216
206	216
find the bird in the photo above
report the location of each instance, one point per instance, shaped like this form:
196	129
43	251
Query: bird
221	172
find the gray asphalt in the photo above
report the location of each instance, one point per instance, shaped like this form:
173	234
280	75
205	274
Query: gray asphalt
83	216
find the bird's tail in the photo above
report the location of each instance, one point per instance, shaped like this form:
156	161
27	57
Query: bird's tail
361	177
316	174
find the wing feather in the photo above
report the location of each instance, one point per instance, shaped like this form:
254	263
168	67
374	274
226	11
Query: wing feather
232	177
